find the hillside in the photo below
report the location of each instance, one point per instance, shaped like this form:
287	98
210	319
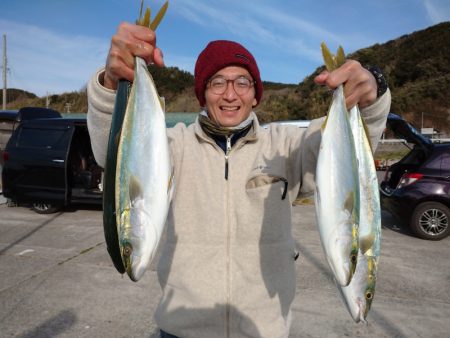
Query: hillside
416	66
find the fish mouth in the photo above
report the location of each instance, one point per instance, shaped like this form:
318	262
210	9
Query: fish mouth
136	268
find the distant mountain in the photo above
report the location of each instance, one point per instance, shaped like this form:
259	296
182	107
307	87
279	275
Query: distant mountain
416	66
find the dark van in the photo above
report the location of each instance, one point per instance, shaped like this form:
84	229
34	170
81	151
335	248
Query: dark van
48	163
8	121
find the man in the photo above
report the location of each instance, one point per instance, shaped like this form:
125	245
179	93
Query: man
227	268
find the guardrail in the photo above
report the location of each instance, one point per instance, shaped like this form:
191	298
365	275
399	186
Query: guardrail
398	140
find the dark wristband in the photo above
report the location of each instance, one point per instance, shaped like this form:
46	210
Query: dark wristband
382	85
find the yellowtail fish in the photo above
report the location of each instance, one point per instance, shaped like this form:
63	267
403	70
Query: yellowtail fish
109	198
337	186
144	174
369	203
144	179
359	294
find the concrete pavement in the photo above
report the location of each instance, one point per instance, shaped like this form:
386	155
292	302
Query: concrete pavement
56	279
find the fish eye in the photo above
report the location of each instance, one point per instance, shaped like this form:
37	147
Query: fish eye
369	295
127	250
353	258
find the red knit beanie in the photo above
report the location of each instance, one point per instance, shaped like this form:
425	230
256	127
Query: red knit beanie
220	54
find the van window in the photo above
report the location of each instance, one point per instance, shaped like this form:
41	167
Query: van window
41	138
6	129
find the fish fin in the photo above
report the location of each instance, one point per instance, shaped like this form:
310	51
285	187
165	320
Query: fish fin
331	61
349	203
366	132
117	137
138	21
366	242
324	124
328	58
159	16
340	57
135	188
146	20
162	101
171	184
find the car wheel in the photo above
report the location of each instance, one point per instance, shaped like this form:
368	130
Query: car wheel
45	207
430	220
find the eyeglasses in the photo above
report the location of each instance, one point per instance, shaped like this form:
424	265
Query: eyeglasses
219	85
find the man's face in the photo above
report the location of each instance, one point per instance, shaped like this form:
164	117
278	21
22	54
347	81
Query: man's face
230	108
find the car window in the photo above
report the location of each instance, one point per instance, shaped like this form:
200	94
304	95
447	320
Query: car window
41	138
6	129
446	162
435	162
416	157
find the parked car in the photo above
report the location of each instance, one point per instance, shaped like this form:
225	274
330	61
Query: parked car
417	188
8	120
48	163
296	123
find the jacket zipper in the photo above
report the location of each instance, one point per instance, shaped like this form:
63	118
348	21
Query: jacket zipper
228	259
227	155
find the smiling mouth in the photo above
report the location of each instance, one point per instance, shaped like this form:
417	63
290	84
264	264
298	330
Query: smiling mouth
229	108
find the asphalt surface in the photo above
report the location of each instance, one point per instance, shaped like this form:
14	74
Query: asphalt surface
56	279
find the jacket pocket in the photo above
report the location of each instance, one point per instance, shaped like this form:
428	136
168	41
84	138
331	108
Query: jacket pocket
266	180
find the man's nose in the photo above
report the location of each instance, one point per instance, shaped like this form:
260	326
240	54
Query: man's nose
230	93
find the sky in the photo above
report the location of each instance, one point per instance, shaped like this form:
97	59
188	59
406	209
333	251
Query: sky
54	46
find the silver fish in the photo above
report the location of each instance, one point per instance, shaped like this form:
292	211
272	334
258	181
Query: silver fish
359	294
369	203
337	190
144	175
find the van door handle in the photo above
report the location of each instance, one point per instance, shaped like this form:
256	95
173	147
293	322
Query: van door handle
58	160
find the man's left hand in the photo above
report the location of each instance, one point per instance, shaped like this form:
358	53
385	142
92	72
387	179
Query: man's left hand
360	86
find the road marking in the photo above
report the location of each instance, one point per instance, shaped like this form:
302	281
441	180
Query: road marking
24	252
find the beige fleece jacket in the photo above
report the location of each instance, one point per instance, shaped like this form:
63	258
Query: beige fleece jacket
227	268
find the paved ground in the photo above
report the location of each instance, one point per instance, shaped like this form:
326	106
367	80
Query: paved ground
56	279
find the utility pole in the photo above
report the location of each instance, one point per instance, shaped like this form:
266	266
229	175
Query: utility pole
47	101
4	71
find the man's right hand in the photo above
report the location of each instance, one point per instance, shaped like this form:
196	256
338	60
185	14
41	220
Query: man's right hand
129	41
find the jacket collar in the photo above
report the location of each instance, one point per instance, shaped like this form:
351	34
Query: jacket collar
252	135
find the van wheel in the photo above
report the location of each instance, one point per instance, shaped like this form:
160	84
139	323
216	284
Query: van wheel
45	208
430	220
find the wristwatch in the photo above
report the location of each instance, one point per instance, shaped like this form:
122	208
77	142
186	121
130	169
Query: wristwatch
382	84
